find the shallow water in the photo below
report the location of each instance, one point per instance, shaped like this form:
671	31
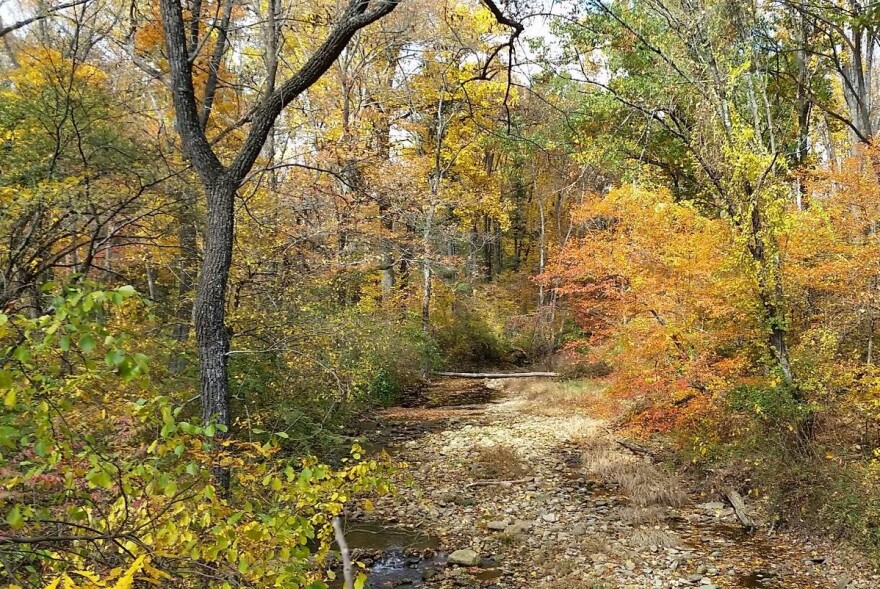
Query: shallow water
756	580
406	556
381	537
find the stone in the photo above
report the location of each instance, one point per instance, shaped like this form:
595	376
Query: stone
498	526
712	506
515	529
464	557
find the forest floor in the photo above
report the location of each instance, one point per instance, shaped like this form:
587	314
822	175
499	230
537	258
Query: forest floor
524	478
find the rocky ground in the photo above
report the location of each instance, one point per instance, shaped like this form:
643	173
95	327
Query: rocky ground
526	487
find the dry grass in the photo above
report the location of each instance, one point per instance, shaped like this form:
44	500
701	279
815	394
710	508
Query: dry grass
498	462
649	537
644	483
640	516
594	545
650	487
553	398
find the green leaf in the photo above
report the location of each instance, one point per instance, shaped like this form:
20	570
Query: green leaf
14	518
8	435
86	343
128	369
21	353
114	358
100	478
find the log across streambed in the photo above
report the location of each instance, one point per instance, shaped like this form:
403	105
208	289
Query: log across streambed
498	374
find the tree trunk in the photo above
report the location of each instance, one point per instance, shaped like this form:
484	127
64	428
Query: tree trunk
209	312
543	251
386	226
487	247
770	296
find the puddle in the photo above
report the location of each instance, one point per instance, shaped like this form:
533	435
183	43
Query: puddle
488	575
374	536
405	556
756	580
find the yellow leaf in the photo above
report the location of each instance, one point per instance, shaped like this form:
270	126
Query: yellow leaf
127	580
88	575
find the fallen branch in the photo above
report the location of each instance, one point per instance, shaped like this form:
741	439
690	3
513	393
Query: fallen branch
498	374
487	483
739	508
634	448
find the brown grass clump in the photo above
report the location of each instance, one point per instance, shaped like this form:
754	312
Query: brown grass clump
639	516
649	487
498	462
649	537
644	483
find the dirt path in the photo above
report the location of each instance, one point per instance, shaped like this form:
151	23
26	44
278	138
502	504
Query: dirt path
575	509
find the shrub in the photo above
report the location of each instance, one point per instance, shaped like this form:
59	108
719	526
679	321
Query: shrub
107	482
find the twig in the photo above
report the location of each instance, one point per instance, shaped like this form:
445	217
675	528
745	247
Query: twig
343	549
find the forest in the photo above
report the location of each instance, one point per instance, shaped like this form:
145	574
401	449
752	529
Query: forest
445	293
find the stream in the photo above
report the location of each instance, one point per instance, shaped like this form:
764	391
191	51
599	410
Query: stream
399	556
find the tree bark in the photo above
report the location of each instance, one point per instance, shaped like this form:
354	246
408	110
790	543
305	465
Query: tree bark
209	312
386	225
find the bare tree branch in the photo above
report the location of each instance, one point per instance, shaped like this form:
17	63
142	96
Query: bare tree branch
38	17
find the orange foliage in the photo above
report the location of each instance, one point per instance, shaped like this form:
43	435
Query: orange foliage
665	293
